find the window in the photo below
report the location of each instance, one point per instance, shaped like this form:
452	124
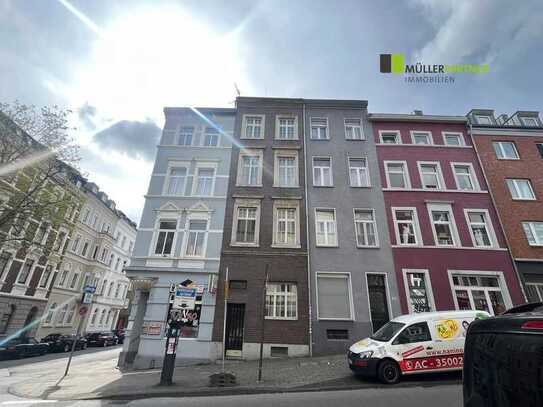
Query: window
421	137
419	291
191	320
540	149
94	220
104	255
204	181
85	248
406	226
117	264
443	225
70	316
390	137
185	136
325	227
246	225
254	126
353	129
415	333
61	237
25	271
50	313
41	233
110	289
286	128
63	276
102	317
465	178
75	243
534	292
338	334
281	301
237	284
474	292
250	169
453	139
45	277
177	179
480	228
430	175
95	252
165	237
211	137
365	228
86	216
6	318
521	189
103	288
285	225
196	238
322	172
319	128
534	232
529	121
481	119
505	150
334	296
4	264
117	290
286	169
62	314
358	172
94	315
73	283
397	174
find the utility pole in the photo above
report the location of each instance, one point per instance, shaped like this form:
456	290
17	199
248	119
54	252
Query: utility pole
263	317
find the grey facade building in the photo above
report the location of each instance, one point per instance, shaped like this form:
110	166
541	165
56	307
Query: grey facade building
353	285
180	235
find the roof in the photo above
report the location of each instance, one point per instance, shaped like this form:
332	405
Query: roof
416	118
424	316
345	103
212	110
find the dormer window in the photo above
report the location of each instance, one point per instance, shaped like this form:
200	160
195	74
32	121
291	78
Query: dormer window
529	121
483	119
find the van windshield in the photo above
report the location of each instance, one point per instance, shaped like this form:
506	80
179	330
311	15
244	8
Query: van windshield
387	331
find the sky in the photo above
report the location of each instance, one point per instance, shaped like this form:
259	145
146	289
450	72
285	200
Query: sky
117	64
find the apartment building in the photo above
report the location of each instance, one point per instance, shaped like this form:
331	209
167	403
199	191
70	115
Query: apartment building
353	283
180	235
264	248
447	242
510	149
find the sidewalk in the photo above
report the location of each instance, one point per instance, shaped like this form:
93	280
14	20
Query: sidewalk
101	380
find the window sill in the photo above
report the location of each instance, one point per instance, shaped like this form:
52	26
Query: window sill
360	187
285	186
355	139
327	245
281	319
285	246
319	139
244	244
524	199
508	159
368	247
251	138
323	186
336	319
248	186
286	139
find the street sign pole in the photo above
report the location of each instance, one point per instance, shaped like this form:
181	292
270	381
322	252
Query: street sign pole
263	316
74	343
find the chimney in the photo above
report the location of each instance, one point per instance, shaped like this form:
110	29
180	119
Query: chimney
417	112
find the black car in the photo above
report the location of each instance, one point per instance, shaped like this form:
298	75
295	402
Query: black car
22	347
503	359
101	339
120	334
63	343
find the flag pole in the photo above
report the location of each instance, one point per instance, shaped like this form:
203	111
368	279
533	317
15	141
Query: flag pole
224	321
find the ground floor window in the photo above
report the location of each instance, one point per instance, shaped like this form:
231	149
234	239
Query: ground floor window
334	296
419	290
534	292
475	292
190	320
281	301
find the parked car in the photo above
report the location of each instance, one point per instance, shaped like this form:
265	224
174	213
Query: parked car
22	347
63	343
504	359
415	343
120	334
101	339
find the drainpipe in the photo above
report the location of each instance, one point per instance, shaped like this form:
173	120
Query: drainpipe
309	288
510	251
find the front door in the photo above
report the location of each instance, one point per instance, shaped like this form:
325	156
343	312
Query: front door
377	294
235	317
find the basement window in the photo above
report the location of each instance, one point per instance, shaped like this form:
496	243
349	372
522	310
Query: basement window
279	351
340	334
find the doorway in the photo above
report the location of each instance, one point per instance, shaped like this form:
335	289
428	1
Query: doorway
235	322
377	294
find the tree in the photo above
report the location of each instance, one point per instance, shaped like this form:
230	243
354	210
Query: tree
38	158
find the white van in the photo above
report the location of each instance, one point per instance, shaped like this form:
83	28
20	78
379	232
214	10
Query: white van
414	343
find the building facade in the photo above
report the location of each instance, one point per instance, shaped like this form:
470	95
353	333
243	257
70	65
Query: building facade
448	246
511	153
264	247
180	235
353	283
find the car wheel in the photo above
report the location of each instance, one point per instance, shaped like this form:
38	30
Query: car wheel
84	346
388	372
66	348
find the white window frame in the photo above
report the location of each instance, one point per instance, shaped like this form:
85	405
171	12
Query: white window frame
406	176
178	136
285	296
483	117
278	126
458	134
250	153
472	174
439	174
244	126
374	222
514	182
452	223
498	146
328	243
246	203
331	171
327	127
476	273
422	132
197	217
286	204
156	233
488	224
416	226
428	285
526	120
389	133
176	164
74	246
530	225
354	126
206	133
366	169
205	166
335	274
44	284
28	278
276	173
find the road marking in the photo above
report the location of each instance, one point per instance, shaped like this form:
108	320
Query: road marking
5	403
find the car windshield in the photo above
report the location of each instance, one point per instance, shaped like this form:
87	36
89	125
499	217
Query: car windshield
387	331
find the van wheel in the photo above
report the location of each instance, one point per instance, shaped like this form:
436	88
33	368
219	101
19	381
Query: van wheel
388	372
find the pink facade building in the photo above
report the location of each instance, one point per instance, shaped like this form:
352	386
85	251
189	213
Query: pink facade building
448	246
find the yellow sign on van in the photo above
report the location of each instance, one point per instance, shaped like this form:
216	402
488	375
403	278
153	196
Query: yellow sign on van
447	329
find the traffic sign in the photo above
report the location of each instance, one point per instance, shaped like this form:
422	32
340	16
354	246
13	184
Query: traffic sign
91	289
87	298
184	298
83	311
